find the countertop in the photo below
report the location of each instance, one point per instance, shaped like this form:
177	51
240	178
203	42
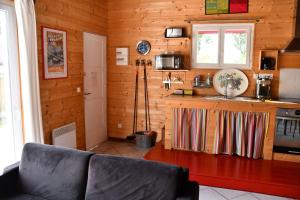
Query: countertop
221	99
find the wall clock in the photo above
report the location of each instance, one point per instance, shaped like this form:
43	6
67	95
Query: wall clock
143	47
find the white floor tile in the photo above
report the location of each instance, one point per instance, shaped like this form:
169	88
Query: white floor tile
209	194
246	196
203	187
268	197
229	194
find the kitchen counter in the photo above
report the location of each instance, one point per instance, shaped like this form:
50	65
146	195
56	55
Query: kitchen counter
240	99
216	103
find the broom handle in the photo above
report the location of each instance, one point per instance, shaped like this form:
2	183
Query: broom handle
135	104
145	94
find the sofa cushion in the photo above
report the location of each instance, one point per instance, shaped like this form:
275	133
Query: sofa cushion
117	178
23	197
53	173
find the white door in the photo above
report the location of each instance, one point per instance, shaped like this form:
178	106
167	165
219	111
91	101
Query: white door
94	89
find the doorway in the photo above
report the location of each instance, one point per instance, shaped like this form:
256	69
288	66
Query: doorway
94	54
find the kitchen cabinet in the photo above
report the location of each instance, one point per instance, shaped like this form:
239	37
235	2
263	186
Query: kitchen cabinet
214	105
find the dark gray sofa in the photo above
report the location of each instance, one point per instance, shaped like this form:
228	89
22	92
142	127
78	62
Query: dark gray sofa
52	173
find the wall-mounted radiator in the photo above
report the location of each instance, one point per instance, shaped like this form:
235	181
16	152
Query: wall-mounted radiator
65	136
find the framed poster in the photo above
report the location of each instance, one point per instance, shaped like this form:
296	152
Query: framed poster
238	6
216	7
54	53
122	55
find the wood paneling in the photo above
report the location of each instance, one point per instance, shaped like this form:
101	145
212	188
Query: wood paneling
61	104
133	20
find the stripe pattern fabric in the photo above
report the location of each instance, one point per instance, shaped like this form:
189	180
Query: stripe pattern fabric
240	133
189	129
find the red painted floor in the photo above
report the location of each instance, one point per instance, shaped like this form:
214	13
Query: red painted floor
261	176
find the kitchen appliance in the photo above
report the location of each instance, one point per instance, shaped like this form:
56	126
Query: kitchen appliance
267	63
263	87
169	61
287	135
174	32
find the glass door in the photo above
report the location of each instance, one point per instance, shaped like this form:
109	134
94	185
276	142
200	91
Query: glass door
10	107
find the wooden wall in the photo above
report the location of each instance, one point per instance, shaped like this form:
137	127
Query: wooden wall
61	104
133	20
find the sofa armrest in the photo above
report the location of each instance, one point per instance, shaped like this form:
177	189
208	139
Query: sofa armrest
8	180
189	191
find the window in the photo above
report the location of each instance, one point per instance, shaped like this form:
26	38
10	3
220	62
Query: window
10	109
222	45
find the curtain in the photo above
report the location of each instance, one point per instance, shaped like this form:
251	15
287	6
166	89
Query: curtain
32	117
189	129
241	133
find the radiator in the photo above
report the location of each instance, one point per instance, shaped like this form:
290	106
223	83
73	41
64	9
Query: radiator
65	136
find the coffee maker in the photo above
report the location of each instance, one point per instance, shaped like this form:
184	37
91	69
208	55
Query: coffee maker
263	87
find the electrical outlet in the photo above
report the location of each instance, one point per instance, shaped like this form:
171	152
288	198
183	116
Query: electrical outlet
120	125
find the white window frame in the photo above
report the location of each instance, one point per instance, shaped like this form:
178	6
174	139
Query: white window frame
14	78
221	28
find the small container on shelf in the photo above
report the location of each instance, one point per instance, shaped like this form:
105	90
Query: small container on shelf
268	59
198	83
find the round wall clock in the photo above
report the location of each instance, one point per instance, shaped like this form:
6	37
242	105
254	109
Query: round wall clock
143	47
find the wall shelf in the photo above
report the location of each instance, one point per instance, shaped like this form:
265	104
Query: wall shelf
272	54
167	70
173	82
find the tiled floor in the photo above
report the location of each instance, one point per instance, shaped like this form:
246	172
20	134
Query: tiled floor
129	149
213	193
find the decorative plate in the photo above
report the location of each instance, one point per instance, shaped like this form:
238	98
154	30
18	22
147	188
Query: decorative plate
143	47
239	81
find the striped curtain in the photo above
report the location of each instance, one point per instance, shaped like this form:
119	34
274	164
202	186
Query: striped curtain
241	133
189	129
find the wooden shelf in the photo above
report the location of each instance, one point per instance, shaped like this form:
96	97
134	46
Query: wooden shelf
169	70
174	82
178	38
273	54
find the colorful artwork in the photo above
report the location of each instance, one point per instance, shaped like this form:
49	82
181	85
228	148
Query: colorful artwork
216	7
238	6
226	6
55	53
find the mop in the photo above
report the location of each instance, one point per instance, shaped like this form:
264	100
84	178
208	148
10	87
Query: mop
146	96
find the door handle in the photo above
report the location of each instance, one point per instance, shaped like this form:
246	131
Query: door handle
87	93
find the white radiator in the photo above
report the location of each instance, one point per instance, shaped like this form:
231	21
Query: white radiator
65	136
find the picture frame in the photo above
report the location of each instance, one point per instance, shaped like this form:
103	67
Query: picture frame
122	56
238	6
54	53
213	7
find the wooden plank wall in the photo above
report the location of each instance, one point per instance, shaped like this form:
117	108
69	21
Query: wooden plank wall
61	104
133	20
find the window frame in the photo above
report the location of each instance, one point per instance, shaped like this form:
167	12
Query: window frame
221	28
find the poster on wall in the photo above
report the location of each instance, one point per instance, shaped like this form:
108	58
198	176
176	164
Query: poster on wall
226	6
216	7
238	6
55	53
